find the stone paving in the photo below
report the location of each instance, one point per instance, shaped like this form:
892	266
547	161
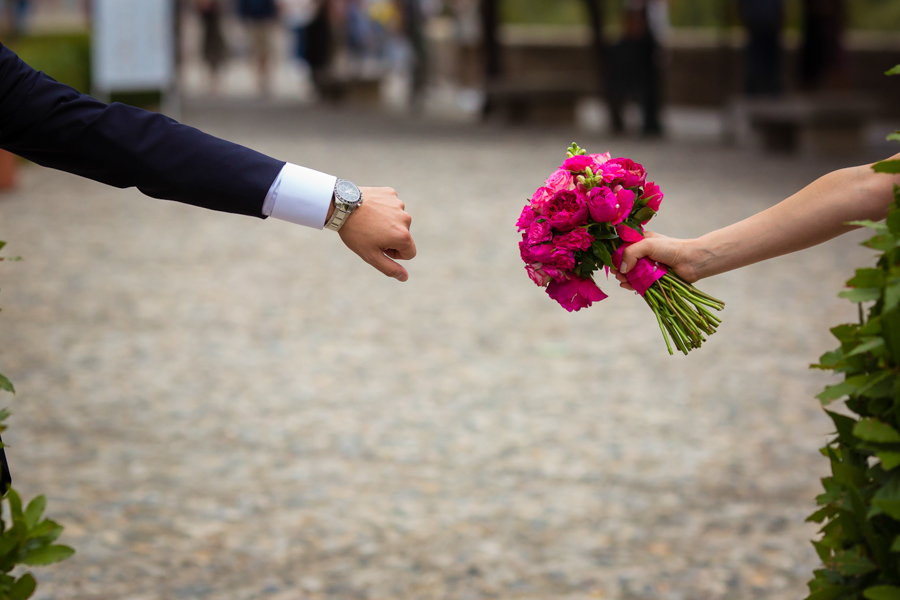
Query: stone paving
227	408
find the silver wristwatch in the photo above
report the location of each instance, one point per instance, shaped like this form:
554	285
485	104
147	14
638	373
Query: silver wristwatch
347	198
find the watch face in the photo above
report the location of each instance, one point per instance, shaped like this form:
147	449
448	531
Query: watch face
347	191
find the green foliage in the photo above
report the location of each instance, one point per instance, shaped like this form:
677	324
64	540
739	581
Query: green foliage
860	507
26	538
65	57
881	15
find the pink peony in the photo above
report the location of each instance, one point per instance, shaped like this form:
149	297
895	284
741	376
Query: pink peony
539	232
628	234
577	239
575	293
566	210
643	274
607	207
598	160
653	195
526	218
634	174
548	254
563	259
577	164
541	197
560	180
538	275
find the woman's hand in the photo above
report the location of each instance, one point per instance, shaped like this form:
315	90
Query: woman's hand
683	257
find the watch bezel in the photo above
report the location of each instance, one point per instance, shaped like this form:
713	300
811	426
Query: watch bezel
347	203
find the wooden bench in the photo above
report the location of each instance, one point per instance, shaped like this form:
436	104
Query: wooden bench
825	124
551	100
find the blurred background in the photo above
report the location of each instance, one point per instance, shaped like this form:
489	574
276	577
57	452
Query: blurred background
228	408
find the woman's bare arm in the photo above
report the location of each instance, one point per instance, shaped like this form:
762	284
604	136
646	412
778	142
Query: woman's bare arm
815	214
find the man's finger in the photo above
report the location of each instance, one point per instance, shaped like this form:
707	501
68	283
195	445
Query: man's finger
388	267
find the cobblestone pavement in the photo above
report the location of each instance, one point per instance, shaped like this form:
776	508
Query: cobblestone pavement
227	408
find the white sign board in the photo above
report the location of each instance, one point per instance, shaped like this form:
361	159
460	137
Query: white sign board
133	45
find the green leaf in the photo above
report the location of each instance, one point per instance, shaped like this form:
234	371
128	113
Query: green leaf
853	562
889	460
845	332
645	214
882	592
873	430
893	221
47	555
867	278
836	392
876	225
867	346
895	547
887	166
23	587
829	593
861	294
894	136
893	71
892	293
890	330
34	511
843	424
602	252
887	499
6	384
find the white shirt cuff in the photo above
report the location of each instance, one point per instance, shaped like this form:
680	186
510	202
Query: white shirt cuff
300	195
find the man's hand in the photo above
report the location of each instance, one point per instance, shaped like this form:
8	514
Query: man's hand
378	231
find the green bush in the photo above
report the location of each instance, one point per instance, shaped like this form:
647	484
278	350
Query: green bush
860	508
64	57
25	537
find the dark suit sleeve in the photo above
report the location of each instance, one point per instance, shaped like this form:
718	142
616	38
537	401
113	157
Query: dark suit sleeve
53	125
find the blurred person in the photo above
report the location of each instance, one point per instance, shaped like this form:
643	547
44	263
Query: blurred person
297	15
822	59
215	50
55	126
764	52
259	17
320	42
635	64
815	214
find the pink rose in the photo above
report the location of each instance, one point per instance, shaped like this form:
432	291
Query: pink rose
575	293
634	175
539	232
577	164
526	218
577	239
607	207
560	180
540	199
566	210
628	234
653	195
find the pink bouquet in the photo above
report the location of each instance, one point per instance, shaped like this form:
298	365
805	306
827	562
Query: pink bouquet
582	218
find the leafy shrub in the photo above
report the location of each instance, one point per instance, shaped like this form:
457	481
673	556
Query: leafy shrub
25	537
860	508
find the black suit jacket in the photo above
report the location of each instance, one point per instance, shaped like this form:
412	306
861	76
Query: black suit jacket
53	125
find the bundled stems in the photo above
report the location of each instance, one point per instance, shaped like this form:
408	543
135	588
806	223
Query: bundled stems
682	312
